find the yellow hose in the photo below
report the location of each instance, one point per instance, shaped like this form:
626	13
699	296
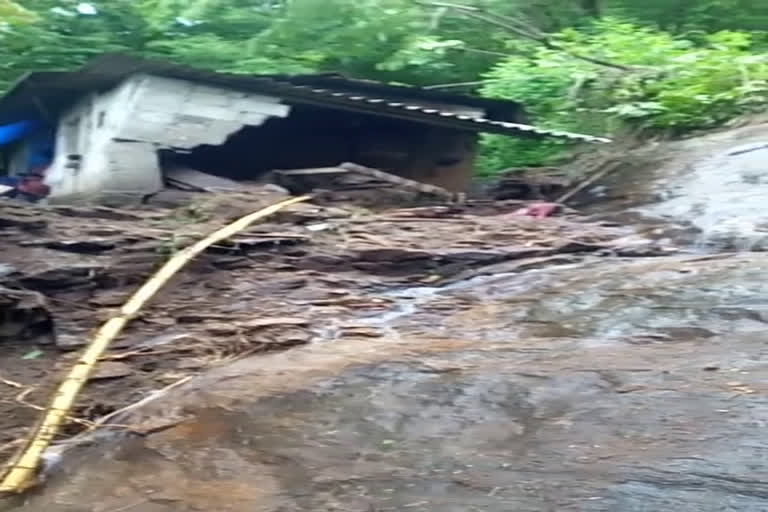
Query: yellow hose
21	471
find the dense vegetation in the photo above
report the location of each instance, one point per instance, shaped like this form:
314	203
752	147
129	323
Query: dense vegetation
595	66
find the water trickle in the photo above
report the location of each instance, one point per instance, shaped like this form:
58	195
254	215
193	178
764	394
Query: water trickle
720	187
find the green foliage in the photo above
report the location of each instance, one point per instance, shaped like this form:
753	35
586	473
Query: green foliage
673	85
500	152
694	63
694	15
12	13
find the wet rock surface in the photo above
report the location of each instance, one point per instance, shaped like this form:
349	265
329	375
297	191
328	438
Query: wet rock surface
709	189
483	406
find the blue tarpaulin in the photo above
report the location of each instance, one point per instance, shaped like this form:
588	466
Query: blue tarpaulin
41	147
13	132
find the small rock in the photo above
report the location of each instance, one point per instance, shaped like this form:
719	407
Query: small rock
111	370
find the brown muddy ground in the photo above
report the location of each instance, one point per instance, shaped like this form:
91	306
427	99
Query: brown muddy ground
607	385
273	287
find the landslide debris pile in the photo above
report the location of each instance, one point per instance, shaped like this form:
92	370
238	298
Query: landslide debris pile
66	269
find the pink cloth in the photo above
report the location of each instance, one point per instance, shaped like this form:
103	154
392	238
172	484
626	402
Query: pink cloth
539	210
33	185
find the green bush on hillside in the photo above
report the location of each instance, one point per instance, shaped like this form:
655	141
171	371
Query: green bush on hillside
673	85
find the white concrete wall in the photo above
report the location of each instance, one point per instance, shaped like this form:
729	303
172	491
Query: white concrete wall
118	133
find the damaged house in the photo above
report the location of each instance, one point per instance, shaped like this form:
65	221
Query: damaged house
115	128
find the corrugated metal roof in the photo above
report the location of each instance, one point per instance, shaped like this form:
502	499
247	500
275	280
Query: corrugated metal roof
445	118
53	91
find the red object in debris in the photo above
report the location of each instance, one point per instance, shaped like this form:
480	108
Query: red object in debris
539	210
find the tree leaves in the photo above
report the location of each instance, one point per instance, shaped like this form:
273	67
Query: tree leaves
676	84
13	13
706	65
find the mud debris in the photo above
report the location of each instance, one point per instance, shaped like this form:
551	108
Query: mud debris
270	288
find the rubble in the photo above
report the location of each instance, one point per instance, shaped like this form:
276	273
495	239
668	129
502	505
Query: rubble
23	315
276	285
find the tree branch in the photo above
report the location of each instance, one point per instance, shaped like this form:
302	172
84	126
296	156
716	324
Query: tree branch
518	28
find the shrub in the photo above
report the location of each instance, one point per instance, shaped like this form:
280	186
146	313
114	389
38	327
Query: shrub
673	85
